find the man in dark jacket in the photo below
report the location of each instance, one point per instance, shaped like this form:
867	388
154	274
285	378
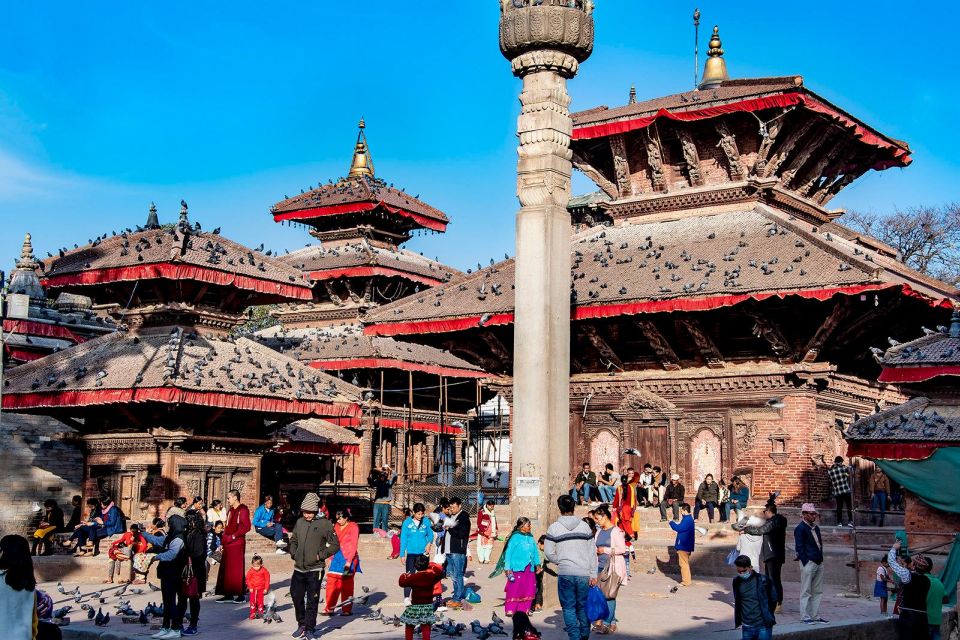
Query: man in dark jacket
673	498
708	495
583	485
809	547
312	541
457	526
773	552
753	600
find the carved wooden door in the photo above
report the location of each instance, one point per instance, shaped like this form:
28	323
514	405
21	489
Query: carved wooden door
127	498
653	442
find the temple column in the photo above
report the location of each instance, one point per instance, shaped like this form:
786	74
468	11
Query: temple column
544	44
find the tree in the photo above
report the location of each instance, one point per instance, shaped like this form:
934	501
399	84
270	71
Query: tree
926	238
258	318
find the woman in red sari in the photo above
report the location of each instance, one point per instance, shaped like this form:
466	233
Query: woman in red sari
625	503
230	578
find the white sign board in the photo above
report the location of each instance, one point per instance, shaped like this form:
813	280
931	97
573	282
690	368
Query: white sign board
528	487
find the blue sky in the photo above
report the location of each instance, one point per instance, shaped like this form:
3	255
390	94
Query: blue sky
105	107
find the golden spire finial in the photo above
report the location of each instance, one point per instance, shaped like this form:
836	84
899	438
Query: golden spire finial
362	164
715	70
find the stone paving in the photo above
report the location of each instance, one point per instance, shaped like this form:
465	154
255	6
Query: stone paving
646	608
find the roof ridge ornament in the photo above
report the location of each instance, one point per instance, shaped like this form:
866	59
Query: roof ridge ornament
633	95
715	69
362	163
184	222
152	221
27	259
955	323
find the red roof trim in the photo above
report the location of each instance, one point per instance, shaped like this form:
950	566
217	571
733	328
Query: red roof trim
895	450
901	155
337	209
627	308
23	355
32	328
392	423
392	363
916	374
351	272
172	271
174	395
319	448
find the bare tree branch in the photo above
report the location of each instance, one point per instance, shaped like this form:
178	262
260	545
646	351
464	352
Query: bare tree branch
926	238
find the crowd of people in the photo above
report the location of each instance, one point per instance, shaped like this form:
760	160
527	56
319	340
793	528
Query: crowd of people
587	554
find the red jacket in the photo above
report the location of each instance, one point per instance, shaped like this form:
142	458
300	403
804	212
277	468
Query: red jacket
422	583
130	549
258	580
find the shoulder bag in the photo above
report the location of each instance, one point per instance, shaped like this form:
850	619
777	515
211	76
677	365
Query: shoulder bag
609	581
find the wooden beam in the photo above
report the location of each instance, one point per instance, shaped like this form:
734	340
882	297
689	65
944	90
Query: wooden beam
496	347
858	327
336	299
816	143
704	344
354	297
129	416
594	174
202	291
789	143
812	176
842	309
621	165
601	345
665	353
691	157
213	417
459	349
826	192
764	327
763	153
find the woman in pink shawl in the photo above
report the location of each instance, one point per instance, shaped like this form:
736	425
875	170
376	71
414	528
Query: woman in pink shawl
611	547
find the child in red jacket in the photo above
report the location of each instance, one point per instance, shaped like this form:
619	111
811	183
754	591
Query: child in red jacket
422	584
258	582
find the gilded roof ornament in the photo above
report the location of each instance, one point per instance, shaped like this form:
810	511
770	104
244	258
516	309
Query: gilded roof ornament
715	69
362	164
152	221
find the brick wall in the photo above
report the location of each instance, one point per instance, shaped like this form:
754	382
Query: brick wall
919	517
37	464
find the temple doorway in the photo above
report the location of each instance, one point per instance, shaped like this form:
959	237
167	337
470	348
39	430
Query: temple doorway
705	457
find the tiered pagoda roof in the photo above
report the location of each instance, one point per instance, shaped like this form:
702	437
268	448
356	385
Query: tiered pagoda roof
33	327
313	436
691	264
346	347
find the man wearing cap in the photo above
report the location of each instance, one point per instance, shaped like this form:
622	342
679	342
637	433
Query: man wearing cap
809	547
312	541
913	623
672	497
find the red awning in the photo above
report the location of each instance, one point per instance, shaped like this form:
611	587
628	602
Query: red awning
173	395
434	427
359	272
866	135
338	209
644	306
894	450
916	374
172	271
33	328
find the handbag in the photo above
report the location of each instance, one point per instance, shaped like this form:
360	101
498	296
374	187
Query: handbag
190	586
609	582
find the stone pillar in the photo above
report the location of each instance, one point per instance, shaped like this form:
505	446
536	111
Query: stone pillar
365	459
545	44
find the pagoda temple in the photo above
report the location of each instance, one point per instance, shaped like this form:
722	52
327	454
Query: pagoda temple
170	403
33	326
425	393
720	312
917	443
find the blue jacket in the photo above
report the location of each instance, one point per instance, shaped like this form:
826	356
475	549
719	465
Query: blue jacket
522	552
414	538
739	497
262	517
112	522
807	548
684	529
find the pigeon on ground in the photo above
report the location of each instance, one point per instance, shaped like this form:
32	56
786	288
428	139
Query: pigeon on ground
91	614
153	587
496	619
674	589
137	591
60	588
143	618
60	613
101	619
376	614
86	607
